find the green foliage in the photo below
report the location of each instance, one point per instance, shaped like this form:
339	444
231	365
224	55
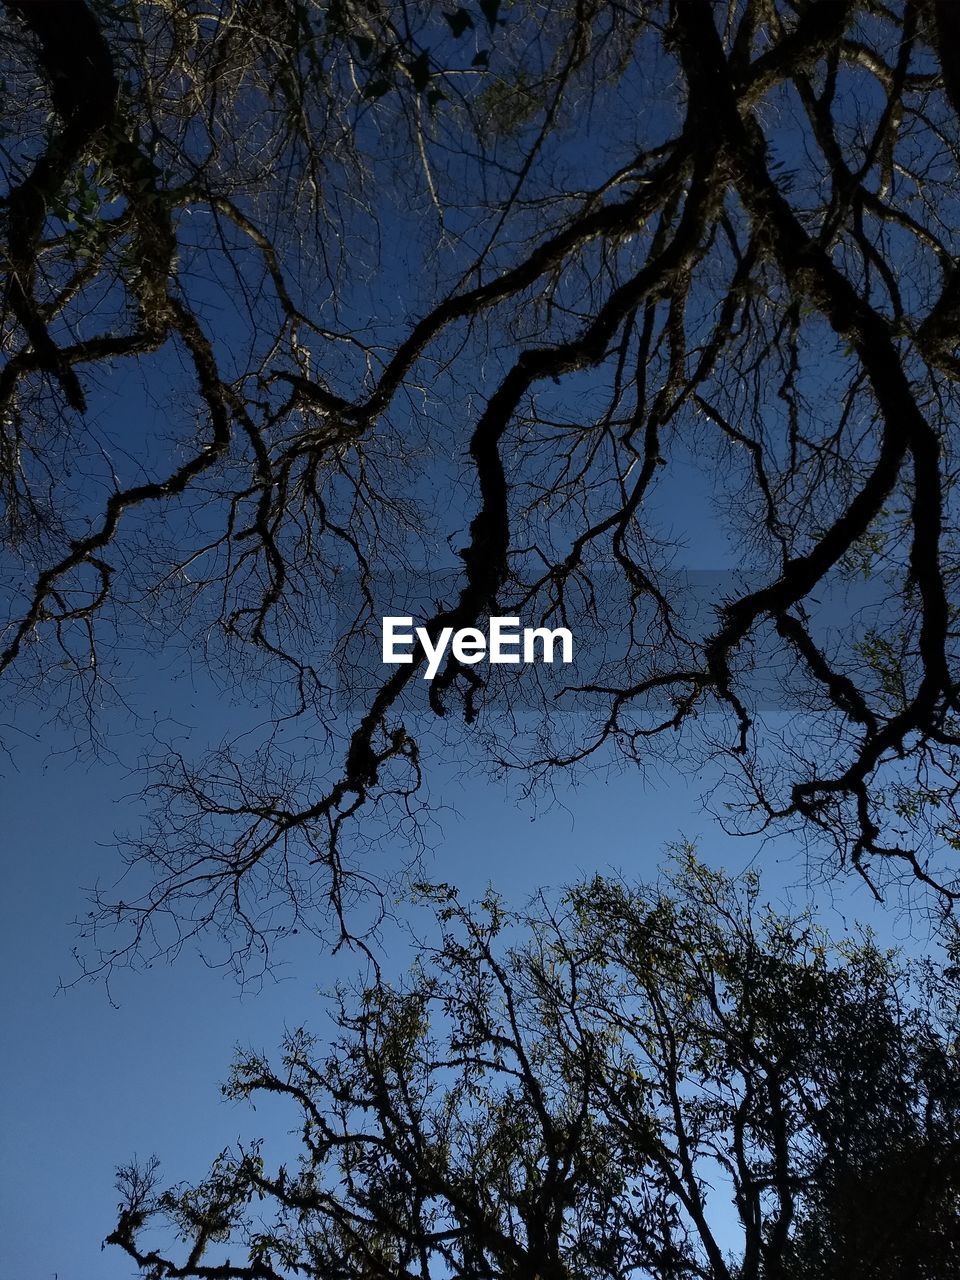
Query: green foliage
589	1090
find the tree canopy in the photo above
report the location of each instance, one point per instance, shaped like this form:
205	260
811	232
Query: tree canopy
663	1081
321	311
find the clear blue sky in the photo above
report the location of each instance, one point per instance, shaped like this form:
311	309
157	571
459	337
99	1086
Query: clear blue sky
87	1085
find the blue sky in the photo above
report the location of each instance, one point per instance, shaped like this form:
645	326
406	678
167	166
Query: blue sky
90	1082
87	1084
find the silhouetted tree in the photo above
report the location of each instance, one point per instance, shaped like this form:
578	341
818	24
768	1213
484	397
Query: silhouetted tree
654	1082
317	312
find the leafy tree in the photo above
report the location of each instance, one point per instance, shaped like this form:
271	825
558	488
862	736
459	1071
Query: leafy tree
647	1082
502	295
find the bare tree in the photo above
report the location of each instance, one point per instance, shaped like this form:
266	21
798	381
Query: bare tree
476	291
657	1083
